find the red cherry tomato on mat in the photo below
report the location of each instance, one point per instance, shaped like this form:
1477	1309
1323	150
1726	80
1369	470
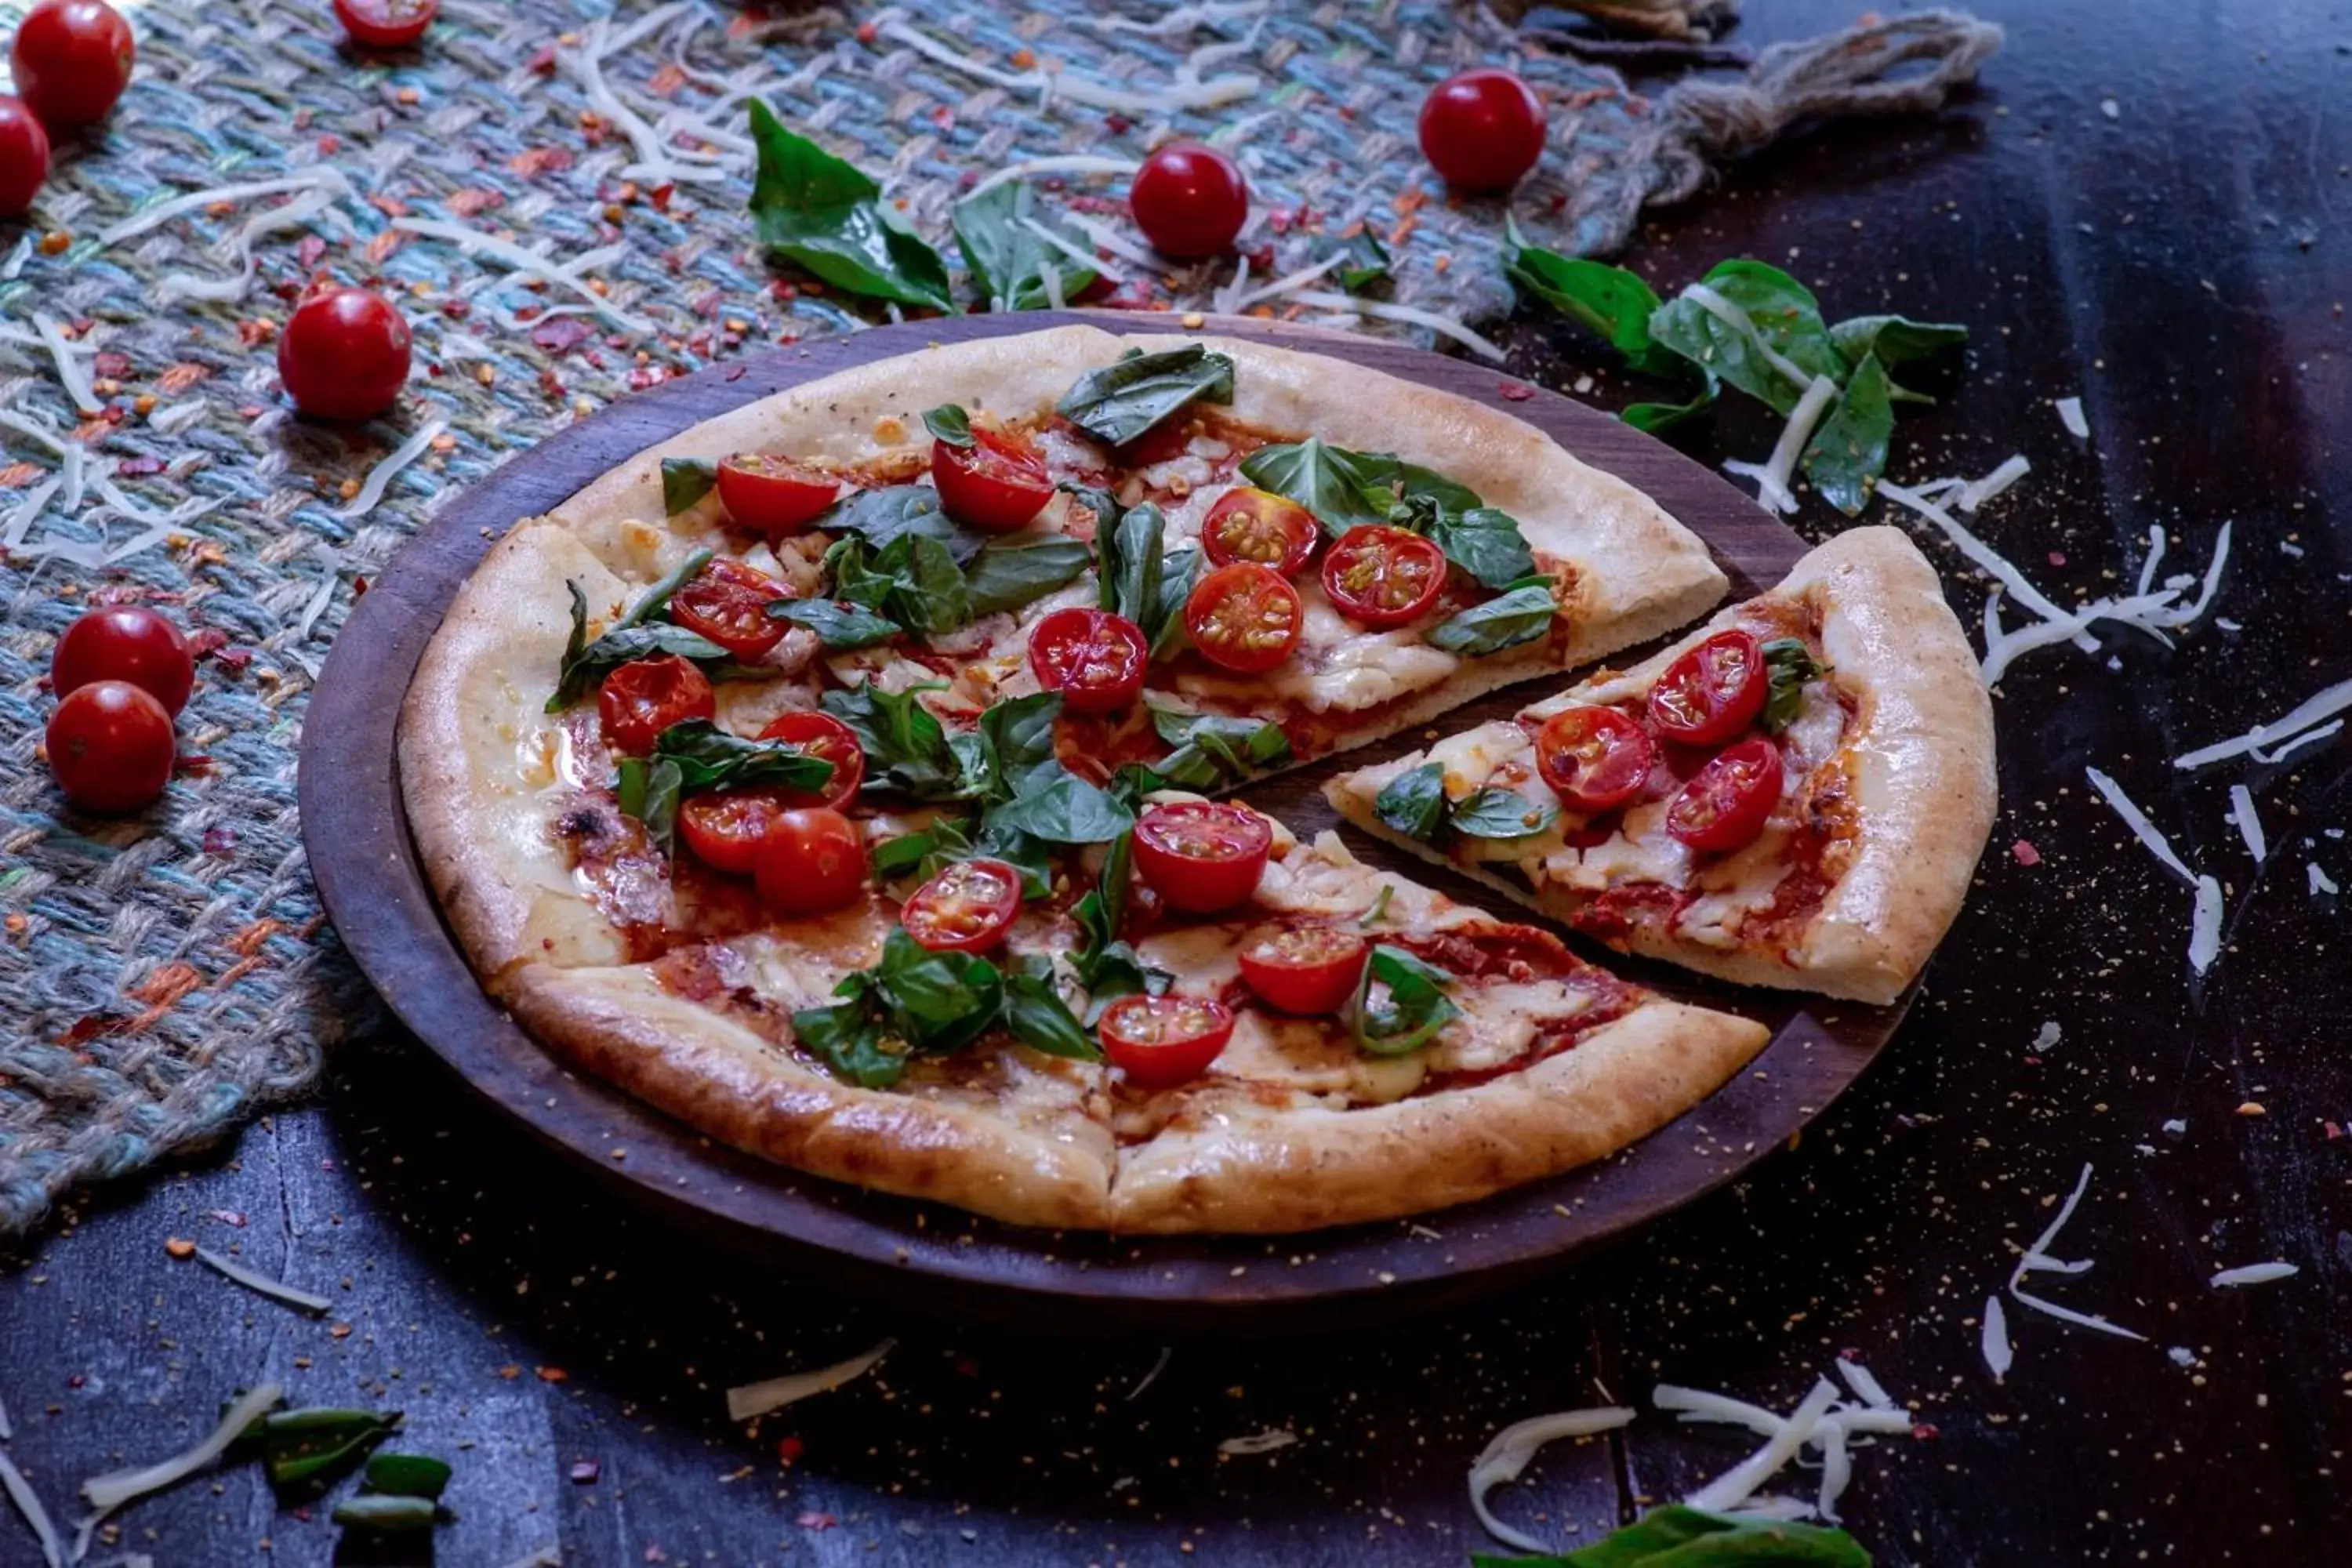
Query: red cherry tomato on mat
1726	802
997	484
726	827
728	602
1595	758
1159	1042
1243	617
1381	576
967	908
774	495
345	354
1482	129
821	736
1262	527
1189	200
111	746
643	697
125	642
1712	692
386	24
1307	970
810	861
1202	857
23	156
72	59
1093	658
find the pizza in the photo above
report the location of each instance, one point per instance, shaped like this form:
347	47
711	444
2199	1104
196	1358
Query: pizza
843	776
1794	794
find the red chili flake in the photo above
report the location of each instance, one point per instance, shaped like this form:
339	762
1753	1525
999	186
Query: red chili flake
967	1366
661	195
194	763
206	640
252	332
2333	1130
455	310
138	468
810	1519
2057	558
233	659
1925	1432
78	1379
561	334
666	80
2026	854
309	250
473	200
784	289
1517	391
180	377
551	1373
865	31
303	1513
549	387
111	365
16	476
646	376
302	120
88	1028
330	145
389	205
359	584
1118	124
543	62
533	162
586	1471
219	840
789	1449
227	1217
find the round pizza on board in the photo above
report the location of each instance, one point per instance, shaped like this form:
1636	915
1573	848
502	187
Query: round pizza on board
838	776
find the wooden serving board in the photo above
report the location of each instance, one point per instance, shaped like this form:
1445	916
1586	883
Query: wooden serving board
943	1260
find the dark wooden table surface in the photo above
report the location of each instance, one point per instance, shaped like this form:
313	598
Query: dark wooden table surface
2147	206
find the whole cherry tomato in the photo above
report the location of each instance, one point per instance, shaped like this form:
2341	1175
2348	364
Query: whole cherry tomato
774	495
726	827
1159	1042
23	156
125	642
386	24
997	484
1595	758
1202	857
1243	617
1482	129
1259	526
1381	576
1726	802
111	746
810	861
345	354
1189	200
1093	658
967	908
728	602
1712	692
821	736
72	60
1305	970
646	696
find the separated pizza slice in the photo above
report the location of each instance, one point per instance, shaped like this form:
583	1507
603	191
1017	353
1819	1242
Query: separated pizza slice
1795	794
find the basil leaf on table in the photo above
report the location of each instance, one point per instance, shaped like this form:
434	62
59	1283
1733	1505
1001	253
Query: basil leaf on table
708	757
828	216
1788	666
1009	262
840	625
408	1474
1656	418
1848	453
1036	1015
1365	259
1770	316
1005	576
649	791
1123	399
1521	615
1895	340
301	1447
686	480
1497	813
950	423
1413	803
905	745
1677	1536
1609	300
1416	1009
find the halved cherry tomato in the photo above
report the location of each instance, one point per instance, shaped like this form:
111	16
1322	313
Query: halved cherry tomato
1258	525
1202	857
996	485
386	24
821	736
1093	658
1726	802
646	696
1303	969
725	827
1243	617
809	862
1381	576
774	495
1595	758
967	908
1712	692
728	602
1159	1042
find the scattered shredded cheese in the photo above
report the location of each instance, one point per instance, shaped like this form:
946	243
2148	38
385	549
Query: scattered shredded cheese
1772	478
2205	926
1506	1457
2254	1274
383	473
1265	1442
261	1284
2250	824
1998	1353
28	1503
2308	738
2319	706
320	177
2136	820
1110	239
1181	19
2037	1257
1135	100
2070	415
1060	163
1736	1485
1737	319
1444	325
1976	493
586	64
2047	1036
18	257
29	511
1983	556
1866	1388
1837	1467
1074	252
110	1492
1153	1375
237	248
71	375
2321	882
1286	284
529	264
7	1433
758	1398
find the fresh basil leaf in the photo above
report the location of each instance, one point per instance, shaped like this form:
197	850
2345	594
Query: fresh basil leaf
1019	733
1681	1537
299	1446
1773	312
408	1474
1032	857
1128	396
1345	489
1609	300
839	624
1177	572
1008	261
1848	453
1416	1009
1485	542
1005	576
586	671
1213	749
654	602
1342	487
1521	615
1107	967
931	597
648	790
1895	340
1413	803
905	745
1062	808
1365	263
950	423
1132	565
937	1002
1656	418
828	216
686	480
847	1038
1497	813
906	854
879	516
708	757
1789	665
1036	1015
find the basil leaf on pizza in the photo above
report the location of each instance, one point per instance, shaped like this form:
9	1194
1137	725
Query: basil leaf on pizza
1213	750
1107	967
1060	808
1019	753
1176	576
1485	542
1497	813
1036	1015
1413	803
950	423
585	667
649	790
1346	490
1012	265
1789	665
686	480
708	757
827	215
1006	576
1135	391
1521	615
1412	1006
1342	487
905	745
840	625
847	1038
880	516
912	581
1132	565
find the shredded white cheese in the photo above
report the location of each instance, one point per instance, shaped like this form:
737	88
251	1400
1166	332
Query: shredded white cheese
1866	1388
1506	1457
71	375
2250	824
1437	322
1286	284
1265	1442
110	1492
1073	252
322	177
2321	705
1837	1467
261	1284
2142	828
1976	493
2321	882
28	1503
2046	1036
237	248
1998	1352
1152	1376
2254	1274
371	489
2038	1257
1732	316
2205	926
758	1398
1736	1485
1110	239
1060	163
1171	99
29	511
7	1433
2070	415
1983	556
527	263
1772	478
1183	18
2308	738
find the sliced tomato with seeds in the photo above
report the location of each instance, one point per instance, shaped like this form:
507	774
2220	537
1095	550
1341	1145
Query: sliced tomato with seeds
967	908
728	602
1257	525
1305	970
1159	1042
1595	758
774	495
1712	692
646	696
1243	617
821	736
810	861
1202	857
725	827
1093	658
1381	576
1726	802
997	485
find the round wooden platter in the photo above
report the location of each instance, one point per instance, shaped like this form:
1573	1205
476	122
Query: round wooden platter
941	1260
